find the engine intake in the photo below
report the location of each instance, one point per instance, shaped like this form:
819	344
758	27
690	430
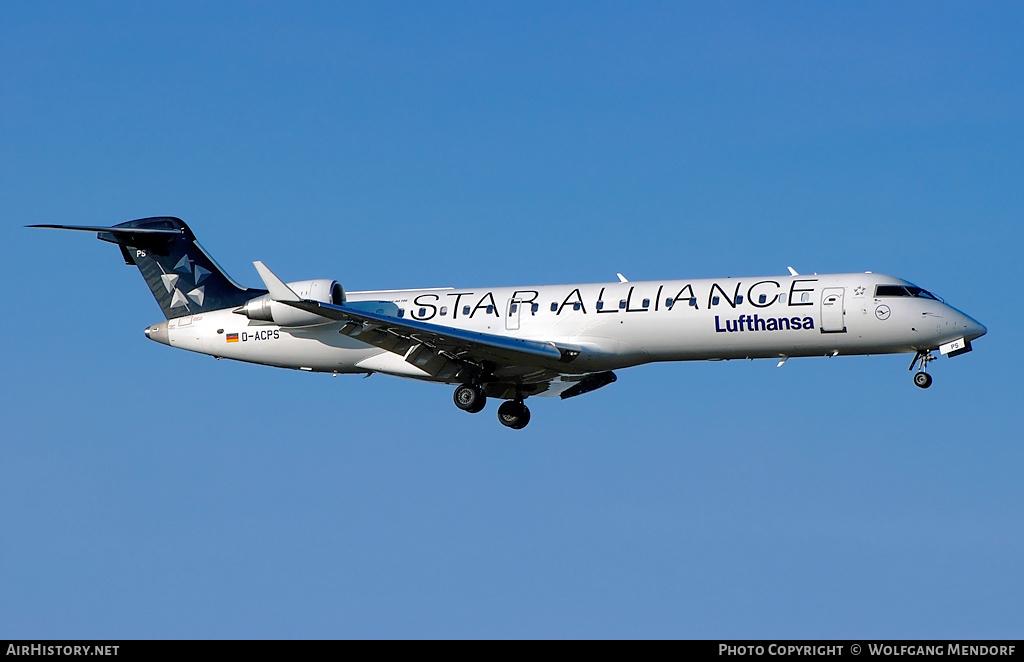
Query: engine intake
265	309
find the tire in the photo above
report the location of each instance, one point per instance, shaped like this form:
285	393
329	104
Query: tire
922	380
470	398
513	415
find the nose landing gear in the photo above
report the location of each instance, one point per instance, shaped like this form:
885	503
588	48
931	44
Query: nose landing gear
921	378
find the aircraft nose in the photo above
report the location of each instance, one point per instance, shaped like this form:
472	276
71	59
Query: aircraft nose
973	328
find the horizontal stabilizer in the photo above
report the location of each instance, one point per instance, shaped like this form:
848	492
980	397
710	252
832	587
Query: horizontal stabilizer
114	230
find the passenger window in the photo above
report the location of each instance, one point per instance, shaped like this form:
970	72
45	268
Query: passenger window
534	308
693	302
401	312
514	308
622	303
423	312
575	305
805	297
739	299
444	310
715	300
554	306
647	303
762	298
669	302
782	298
465	310
600	305
490	310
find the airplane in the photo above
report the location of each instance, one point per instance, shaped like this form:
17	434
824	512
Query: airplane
511	343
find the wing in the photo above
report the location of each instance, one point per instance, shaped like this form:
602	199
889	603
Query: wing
443	352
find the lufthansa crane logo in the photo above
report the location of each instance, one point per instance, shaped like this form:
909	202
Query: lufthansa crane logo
882	312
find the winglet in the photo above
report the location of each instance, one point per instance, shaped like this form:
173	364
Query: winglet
622	279
278	290
792	271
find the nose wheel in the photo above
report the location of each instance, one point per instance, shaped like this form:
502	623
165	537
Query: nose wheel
921	378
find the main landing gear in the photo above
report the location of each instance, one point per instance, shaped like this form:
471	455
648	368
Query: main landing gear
921	378
513	414
472	398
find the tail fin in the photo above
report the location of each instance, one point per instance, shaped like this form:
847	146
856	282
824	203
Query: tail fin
183	278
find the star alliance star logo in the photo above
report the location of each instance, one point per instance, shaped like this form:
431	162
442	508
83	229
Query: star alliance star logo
858	291
197	294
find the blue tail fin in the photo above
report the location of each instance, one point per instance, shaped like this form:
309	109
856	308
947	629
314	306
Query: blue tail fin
183	278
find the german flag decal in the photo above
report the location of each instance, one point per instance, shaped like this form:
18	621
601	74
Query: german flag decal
232	337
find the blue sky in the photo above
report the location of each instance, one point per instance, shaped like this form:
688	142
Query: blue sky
147	492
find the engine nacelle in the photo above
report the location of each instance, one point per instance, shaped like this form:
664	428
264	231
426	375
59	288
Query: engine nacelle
265	309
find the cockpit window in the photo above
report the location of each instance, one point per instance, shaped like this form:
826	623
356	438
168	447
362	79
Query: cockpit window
891	291
918	292
904	291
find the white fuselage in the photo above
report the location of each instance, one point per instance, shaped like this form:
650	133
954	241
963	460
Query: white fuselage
614	325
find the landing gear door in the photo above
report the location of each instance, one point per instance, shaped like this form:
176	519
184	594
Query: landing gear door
832	314
512	312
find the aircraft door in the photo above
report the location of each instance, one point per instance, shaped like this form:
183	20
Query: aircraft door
832	313
512	312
